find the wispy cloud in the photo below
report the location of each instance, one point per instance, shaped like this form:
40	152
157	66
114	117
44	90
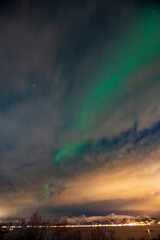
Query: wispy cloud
54	58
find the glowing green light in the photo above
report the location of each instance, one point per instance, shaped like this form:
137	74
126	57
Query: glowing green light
137	52
140	47
69	151
47	190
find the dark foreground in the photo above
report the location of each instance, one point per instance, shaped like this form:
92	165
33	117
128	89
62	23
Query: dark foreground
103	233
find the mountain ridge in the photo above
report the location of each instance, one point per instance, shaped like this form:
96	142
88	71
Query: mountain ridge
111	218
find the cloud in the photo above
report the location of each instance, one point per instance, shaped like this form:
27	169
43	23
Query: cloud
52	58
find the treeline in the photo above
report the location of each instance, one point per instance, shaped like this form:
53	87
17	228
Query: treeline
36	220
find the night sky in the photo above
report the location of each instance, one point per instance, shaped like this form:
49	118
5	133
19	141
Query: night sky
79	107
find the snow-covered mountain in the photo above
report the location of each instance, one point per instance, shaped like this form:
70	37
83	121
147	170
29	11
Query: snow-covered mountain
111	218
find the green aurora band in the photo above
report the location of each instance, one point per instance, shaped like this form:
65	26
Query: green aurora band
137	51
70	151
47	190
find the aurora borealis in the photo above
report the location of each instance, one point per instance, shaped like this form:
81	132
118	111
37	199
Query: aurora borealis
79	107
137	53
